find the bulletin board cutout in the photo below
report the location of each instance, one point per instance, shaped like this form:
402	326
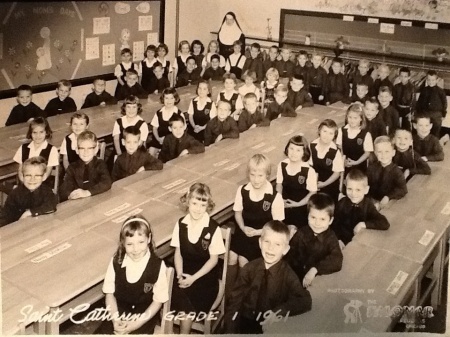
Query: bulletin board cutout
43	42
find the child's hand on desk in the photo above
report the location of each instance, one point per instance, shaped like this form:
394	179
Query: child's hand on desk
186	280
298	108
327	103
384	201
321	97
361	225
184	152
406	173
141	169
309	277
253	126
219	138
341	245
349	162
79	193
26	214
102	104
424	158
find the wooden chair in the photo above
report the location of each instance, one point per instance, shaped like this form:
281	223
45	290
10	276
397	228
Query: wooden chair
101	150
55	174
166	325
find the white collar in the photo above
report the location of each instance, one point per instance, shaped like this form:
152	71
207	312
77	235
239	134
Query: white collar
127	261
229	34
41	147
332	145
208	99
203	222
267	189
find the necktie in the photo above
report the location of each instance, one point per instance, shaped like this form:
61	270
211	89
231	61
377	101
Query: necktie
85	177
262	303
177	148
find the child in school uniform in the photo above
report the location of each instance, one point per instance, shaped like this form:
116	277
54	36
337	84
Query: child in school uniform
268	86
356	211
249	78
280	107
302	66
432	102
214	72
386	180
387	111
25	110
336	86
190	75
98	96
285	66
39	132
315	248
251	116
121	69
146	71
362	76
159	82
271	60
221	126
135	284
236	61
374	120
178	143
382	80
266	287
179	64
316	79
256	203
406	157
131	110
298	95
201	110
88	175
254	63
133	160
31	198
404	97
354	140
162	52
79	122
213	49
197	50
326	159
160	122
426	144
296	181
131	87
63	103
361	93
198	243
231	95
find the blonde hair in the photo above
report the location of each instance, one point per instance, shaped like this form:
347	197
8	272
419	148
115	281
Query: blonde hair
273	71
200	192
259	161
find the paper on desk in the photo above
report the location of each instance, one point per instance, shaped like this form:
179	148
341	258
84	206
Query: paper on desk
38	246
117	209
257	146
268	149
220	163
426	238
397	282
232	167
122	218
446	209
173	184
51	253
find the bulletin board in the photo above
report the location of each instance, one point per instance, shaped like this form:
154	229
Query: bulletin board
43	42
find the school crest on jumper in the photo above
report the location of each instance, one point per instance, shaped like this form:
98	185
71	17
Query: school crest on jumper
301	180
233	102
266	205
148	287
207	111
359	141
206	241
328	162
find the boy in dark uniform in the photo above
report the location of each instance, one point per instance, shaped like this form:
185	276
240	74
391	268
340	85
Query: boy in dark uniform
362	77
26	109
271	60
375	123
361	93
63	103
99	96
298	95
120	71
231	95
251	116
316	79
426	144
405	157
190	75
285	66
302	67
336	86
221	126
356	211
279	108
254	62
382	80
215	72
158	82
387	111
131	86
404	98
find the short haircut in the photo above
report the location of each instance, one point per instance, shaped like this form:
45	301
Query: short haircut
249	73
208	84
286	48
383	139
150	47
432	72
357	175
191	58
35	161
182	43
131	100
402	130
383	66
198	43
131	72
259	161
281	88
125	51
299	140
87	135
169	91
229	76
256	45
421	116
385	88
163	46
273	71
40	121
200	192
337	60
237	43
329	123
131	130
373	101
275	47
24	87
276	226
405	70
156	65
176	118
224	102
321	202
250	95
79	115
364	61
302	52
299	77
215	57
98	79
317	55
64	83
362	84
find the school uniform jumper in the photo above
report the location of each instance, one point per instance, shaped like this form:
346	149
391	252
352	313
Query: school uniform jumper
162	125
227	128
301	97
386	181
247	119
235	64
121	71
428	147
21	114
128	164
235	100
336	88
348	215
404	101
172	146
285	68
276	110
95	100
68	147
201	116
147	75
354	148
57	107
316	83
309	250
120	126
411	161
268	90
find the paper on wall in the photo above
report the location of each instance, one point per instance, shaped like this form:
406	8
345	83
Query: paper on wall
138	51
92	48
152	38
101	25
145	23
109	55
387	28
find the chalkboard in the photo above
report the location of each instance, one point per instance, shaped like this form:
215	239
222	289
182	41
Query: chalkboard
43	42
